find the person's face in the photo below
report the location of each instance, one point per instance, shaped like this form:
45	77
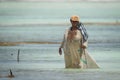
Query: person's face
74	23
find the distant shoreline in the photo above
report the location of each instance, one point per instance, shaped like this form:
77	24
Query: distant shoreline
34	42
102	23
19	43
61	24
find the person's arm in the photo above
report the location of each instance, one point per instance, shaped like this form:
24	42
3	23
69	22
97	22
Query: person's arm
61	46
85	45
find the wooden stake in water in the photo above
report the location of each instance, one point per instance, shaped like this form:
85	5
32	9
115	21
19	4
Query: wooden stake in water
11	74
18	59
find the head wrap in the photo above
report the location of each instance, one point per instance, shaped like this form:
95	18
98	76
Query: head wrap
74	18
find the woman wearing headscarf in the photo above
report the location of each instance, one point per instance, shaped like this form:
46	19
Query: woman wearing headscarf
74	44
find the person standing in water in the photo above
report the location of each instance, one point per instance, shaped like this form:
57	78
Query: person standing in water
74	43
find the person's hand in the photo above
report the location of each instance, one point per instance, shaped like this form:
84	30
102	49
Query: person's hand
83	46
60	51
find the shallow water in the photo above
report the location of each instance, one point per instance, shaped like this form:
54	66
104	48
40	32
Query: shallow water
43	62
97	33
